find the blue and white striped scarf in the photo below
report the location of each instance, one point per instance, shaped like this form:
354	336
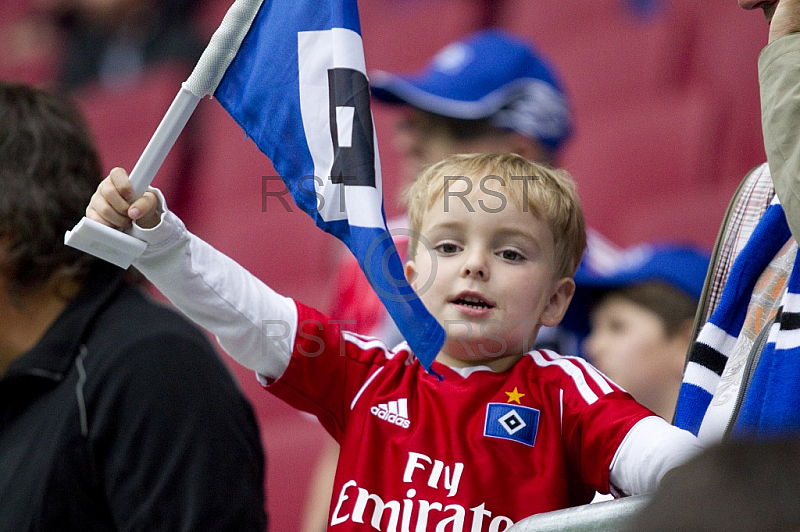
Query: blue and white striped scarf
772	403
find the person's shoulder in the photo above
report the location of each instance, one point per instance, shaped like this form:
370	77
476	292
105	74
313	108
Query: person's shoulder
142	355
134	331
567	373
137	317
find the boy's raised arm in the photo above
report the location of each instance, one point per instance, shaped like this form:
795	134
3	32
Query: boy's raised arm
253	324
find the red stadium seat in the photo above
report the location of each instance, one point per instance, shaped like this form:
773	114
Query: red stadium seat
402	35
29	42
602	49
623	159
724	62
668	93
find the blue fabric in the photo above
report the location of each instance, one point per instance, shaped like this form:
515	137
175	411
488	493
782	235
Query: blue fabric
261	90
771	403
693	401
489	74
682	267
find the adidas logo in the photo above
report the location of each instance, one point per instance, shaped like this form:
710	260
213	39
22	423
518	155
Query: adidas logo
395	412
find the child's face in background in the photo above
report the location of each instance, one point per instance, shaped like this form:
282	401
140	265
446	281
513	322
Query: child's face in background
485	269
629	344
422	140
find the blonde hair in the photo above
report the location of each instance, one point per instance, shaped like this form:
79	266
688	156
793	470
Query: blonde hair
549	194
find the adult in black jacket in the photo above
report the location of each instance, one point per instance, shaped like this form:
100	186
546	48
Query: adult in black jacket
115	412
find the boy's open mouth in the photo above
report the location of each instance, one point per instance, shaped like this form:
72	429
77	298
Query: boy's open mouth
472	301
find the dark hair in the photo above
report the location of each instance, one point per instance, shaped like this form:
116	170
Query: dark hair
49	170
671	305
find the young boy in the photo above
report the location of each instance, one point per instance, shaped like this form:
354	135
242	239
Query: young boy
507	433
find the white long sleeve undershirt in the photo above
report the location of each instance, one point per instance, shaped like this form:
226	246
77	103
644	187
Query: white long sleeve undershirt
253	324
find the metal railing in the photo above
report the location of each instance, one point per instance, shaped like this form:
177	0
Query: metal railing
608	516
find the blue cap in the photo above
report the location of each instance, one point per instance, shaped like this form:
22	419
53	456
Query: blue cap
487	75
683	268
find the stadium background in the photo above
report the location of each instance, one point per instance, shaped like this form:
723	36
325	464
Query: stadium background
667	122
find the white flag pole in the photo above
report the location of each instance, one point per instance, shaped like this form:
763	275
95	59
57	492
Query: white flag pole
120	248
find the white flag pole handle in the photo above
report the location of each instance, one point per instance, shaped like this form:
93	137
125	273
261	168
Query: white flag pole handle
162	140
115	246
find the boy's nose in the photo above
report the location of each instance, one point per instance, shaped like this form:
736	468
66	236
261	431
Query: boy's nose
478	272
476	266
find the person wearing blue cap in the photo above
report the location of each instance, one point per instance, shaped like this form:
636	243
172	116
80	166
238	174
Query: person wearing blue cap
636	319
487	92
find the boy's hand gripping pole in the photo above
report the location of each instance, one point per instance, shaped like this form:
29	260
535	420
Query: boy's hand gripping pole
111	244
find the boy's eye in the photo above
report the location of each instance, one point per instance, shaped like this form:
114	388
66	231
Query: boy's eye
447	248
509	254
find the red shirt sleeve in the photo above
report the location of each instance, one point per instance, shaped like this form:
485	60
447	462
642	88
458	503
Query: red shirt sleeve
596	415
328	369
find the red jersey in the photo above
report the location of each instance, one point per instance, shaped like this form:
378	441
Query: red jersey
475	451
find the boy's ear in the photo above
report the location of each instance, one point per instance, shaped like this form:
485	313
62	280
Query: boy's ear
557	306
410	270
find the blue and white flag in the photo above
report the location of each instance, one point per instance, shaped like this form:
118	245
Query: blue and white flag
298	87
